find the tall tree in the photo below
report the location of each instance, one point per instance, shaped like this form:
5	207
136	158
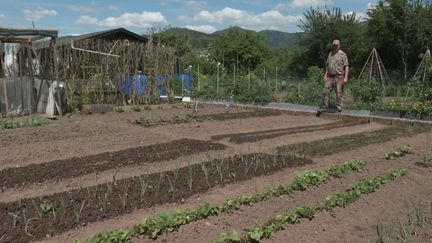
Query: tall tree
321	26
241	48
400	29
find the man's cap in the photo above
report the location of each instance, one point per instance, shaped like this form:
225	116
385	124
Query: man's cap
336	42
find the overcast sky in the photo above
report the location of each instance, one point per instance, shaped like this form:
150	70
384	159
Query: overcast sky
84	16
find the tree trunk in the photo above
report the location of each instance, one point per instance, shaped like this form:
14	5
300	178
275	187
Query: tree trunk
405	64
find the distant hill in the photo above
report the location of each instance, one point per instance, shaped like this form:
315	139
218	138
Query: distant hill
197	39
279	39
275	39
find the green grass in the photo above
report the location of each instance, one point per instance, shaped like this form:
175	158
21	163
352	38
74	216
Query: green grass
342	143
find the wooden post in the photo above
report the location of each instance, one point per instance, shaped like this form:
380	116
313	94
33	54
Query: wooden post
198	77
5	93
56	77
31	75
249	78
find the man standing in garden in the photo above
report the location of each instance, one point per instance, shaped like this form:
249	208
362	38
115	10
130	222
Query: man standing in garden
335	77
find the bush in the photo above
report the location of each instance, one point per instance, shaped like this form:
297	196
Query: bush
315	74
362	91
309	93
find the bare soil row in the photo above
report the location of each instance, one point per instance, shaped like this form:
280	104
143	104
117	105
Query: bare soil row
251	137
79	166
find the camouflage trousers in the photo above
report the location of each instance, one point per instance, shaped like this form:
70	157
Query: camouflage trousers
333	83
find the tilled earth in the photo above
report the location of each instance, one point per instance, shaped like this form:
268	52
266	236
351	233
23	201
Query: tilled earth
81	155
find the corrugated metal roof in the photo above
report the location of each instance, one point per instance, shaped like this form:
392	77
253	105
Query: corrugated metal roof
66	40
23	35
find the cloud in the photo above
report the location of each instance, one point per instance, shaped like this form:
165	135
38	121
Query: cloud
38	13
114	7
360	16
87	20
208	29
3	17
195	5
185	19
165	2
230	16
371	5
85	9
140	20
303	4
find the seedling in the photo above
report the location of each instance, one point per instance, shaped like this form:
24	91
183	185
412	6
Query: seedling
257	163
119	109
231	236
380	233
220	170
160	180
46	207
205	170
14	217
124	196
172	185
114	179
109	188
103	202
62	203
401	151
27	223
274	161
136	108
38	209
144	180
426	160
190	177
19	201
176	171
78	211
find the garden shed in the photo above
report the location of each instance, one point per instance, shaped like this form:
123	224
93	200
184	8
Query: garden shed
20	68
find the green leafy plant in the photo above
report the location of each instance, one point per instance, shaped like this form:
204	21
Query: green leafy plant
367	186
338	144
426	160
46	207
169	221
294	216
401	151
229	237
136	108
115	236
11	124
208	209
119	109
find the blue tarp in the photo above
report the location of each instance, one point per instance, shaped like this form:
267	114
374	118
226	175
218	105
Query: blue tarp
139	84
162	83
186	78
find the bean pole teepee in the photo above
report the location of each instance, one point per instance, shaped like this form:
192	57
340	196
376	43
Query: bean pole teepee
374	70
424	69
